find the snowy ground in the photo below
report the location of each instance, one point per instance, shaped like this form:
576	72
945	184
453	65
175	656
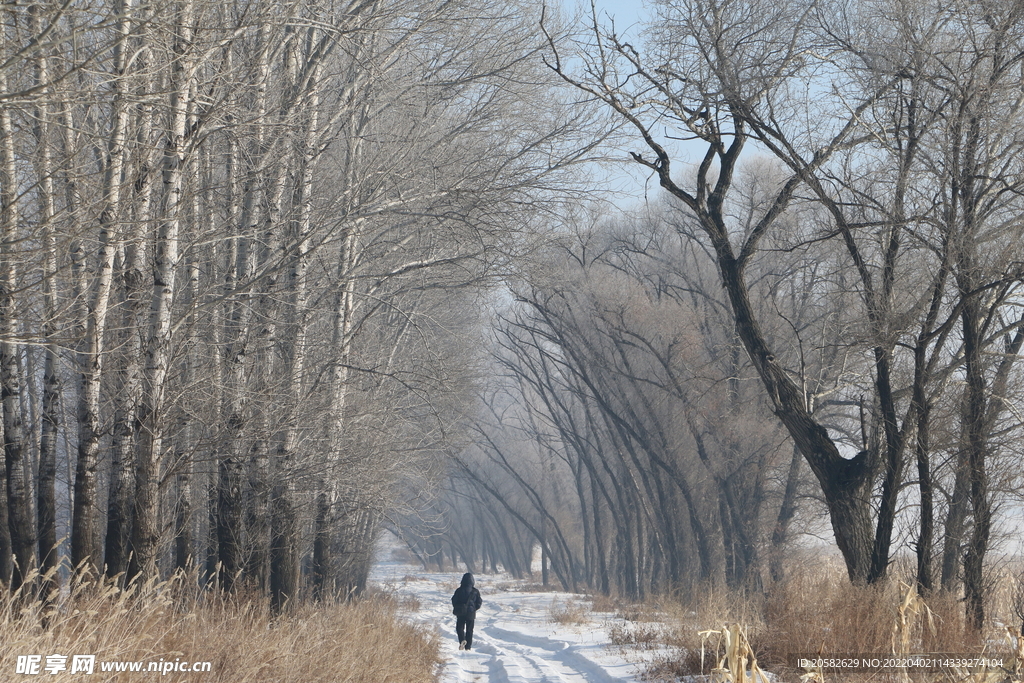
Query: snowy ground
515	640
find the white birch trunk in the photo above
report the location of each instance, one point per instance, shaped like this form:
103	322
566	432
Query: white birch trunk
284	548
267	368
46	506
19	506
226	504
128	386
84	533
145	525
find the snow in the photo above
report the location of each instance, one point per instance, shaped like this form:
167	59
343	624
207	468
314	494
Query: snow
515	639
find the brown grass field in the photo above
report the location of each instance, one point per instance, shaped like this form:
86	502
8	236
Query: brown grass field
817	610
361	641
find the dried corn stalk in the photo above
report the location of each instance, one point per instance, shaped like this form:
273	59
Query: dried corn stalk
909	614
737	657
1017	645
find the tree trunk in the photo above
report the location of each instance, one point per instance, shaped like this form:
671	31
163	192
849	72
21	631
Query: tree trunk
284	565
243	215
284	547
184	459
183	542
321	547
845	483
955	526
19	502
46	505
6	566
974	405
145	525
925	538
267	373
787	511
84	532
229	521
130	363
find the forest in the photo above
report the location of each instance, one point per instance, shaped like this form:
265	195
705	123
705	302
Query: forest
279	275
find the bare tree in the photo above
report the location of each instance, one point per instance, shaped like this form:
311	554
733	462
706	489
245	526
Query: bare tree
887	119
19	505
261	230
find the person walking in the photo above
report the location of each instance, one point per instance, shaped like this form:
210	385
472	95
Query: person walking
465	602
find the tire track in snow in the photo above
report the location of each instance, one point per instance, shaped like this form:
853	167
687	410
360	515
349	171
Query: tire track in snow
514	640
504	654
501	657
576	667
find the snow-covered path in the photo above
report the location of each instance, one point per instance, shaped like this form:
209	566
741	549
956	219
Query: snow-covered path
515	640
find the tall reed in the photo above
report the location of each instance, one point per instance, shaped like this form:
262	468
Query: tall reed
362	641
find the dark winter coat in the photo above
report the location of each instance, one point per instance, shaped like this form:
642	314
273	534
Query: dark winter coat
466	600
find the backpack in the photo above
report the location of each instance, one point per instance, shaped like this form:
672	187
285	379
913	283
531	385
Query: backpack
464	608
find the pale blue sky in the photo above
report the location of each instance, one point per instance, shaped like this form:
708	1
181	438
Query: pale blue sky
629	183
625	184
625	12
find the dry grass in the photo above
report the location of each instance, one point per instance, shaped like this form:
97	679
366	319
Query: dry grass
603	603
569	613
409	578
519	587
410	603
825	613
362	641
638	636
641	612
819	611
